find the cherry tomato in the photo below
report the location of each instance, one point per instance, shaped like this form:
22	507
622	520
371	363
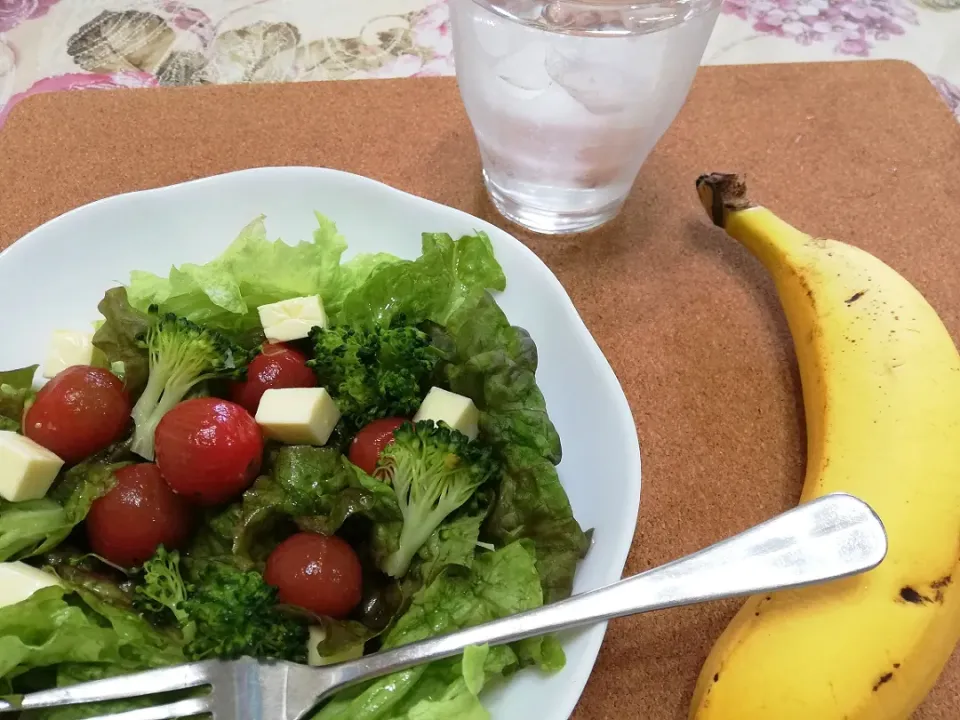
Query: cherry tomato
371	440
79	412
208	450
277	366
320	573
141	512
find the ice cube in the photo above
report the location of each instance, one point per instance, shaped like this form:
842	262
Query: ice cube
602	88
495	33
491	35
525	69
523	9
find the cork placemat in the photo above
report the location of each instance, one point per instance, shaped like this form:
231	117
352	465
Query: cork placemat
864	152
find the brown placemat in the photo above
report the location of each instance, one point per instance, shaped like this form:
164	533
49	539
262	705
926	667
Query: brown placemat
864	152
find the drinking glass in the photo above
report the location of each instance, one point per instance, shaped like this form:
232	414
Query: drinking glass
567	98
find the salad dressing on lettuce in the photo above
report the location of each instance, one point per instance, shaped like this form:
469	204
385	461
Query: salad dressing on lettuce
424	498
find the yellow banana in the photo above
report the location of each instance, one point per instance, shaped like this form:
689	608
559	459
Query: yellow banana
881	392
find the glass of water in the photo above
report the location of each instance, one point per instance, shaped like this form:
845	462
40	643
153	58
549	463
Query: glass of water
568	97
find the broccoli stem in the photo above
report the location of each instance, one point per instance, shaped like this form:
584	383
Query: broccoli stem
143	415
417	528
153	405
181	354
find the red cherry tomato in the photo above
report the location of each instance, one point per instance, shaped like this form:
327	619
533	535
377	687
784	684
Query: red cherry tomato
371	440
141	512
277	366
320	573
208	450
79	412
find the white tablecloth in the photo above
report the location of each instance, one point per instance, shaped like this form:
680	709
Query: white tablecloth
48	45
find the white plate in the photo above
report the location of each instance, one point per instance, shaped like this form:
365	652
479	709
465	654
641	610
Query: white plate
55	276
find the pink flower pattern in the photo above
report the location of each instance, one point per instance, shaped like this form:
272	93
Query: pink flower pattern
80	81
14	12
432	30
852	25
949	92
185	17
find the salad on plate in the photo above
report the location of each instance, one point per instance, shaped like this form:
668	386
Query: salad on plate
284	454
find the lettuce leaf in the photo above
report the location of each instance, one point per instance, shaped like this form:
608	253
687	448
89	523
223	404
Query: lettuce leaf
441	691
460	700
454	542
80	486
500	583
318	489
342	640
16	391
448	275
31	528
373	288
35	527
118	337
224	294
495	364
532	504
56	625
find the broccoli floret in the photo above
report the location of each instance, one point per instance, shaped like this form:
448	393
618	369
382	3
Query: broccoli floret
182	354
236	614
434	470
374	373
224	613
162	593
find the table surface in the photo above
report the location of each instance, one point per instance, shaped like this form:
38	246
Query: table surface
48	45
672	302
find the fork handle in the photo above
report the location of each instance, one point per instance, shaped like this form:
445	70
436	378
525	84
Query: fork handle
832	537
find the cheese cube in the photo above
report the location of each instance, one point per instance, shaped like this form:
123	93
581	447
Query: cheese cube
317	635
298	416
455	410
27	470
69	348
292	319
18	581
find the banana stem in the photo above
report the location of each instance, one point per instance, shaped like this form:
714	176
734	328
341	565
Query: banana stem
768	237
721	194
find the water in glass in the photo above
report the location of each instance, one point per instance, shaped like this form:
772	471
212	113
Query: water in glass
568	98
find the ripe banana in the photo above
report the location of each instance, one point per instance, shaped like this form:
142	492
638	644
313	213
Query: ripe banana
881	392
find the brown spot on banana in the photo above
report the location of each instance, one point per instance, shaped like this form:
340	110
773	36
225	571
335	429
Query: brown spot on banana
885	678
939	586
856	296
910	595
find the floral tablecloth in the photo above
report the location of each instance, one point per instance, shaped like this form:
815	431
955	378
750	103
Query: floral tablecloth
48	45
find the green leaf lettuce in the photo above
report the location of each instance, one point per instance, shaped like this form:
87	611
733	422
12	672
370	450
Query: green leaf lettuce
224	294
499	584
495	364
34	527
449	275
16	391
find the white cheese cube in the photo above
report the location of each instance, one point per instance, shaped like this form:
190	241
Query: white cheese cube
27	470
18	581
317	635
298	416
69	348
455	410
292	319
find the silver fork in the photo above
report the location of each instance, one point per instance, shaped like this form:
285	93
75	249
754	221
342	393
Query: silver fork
833	537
